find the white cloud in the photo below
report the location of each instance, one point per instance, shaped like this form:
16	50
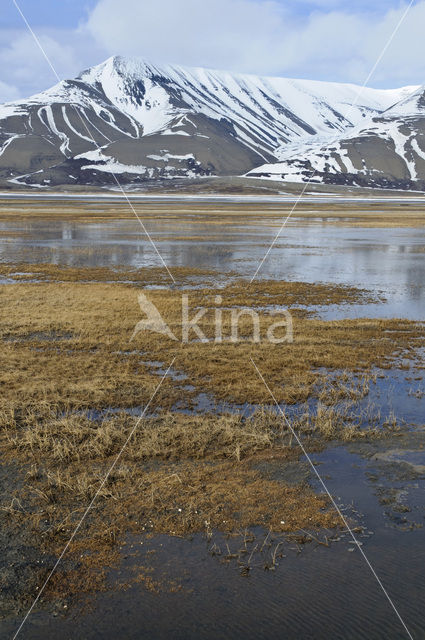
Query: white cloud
8	92
24	59
23	65
258	36
263	37
219	33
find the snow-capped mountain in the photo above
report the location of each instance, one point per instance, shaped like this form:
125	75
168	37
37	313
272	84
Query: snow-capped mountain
387	151
141	121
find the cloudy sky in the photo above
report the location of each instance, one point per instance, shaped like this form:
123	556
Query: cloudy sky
337	40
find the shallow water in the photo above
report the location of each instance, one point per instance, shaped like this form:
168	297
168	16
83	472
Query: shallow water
388	261
321	593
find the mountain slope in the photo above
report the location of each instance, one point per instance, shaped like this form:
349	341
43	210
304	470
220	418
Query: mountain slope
143	121
387	151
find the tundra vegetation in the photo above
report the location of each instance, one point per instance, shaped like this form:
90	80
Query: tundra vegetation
74	386
349	214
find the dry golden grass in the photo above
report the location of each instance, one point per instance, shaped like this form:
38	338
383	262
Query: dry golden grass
76	437
66	350
349	214
70	343
48	272
178	475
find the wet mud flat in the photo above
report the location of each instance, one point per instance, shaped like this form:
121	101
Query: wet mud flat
211	506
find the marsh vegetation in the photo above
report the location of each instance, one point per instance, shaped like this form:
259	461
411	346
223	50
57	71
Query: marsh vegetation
74	385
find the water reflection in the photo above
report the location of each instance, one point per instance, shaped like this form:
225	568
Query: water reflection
390	260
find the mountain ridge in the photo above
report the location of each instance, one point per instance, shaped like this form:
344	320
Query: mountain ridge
147	122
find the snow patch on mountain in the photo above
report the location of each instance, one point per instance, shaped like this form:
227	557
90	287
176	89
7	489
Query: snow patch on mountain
130	116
